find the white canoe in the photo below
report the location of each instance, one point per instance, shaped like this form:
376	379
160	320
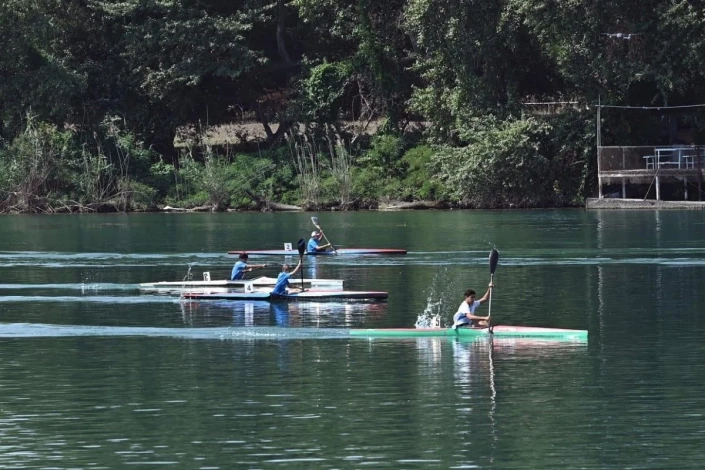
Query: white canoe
256	282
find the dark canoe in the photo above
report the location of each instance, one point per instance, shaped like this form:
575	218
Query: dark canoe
316	295
339	251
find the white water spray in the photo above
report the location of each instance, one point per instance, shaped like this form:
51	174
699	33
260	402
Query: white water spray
441	292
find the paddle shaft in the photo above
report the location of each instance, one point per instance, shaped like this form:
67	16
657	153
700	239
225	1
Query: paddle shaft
328	241
489	309
301	246
315	223
301	261
494	259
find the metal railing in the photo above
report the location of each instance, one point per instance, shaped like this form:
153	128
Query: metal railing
650	158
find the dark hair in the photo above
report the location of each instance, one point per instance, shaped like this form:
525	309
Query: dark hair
469	292
243	256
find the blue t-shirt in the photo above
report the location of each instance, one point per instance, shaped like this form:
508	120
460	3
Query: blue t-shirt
282	283
238	271
312	245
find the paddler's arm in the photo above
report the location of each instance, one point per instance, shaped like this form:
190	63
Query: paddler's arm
486	297
250	267
323	247
296	268
475	317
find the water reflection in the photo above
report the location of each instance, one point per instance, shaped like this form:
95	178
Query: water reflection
281	314
311	267
224	313
284	314
475	359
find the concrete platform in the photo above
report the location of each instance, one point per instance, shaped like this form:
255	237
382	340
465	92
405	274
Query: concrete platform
615	203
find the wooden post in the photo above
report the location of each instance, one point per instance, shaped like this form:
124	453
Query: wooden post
599	185
685	187
599	143
700	174
624	181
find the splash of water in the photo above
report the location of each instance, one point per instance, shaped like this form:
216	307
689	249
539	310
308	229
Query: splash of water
441	291
88	286
189	275
187	278
430	317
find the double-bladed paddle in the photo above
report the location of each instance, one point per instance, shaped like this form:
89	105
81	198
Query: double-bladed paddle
494	259
301	245
315	223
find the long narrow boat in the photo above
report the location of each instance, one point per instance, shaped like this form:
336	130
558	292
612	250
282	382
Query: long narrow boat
339	251
499	331
300	296
256	282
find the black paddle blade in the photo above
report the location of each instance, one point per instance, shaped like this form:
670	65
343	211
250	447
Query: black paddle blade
494	258
301	245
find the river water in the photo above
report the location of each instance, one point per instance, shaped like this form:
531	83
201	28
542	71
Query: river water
95	373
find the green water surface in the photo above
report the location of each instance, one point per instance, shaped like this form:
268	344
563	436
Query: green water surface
95	373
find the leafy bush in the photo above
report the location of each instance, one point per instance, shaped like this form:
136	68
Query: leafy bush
30	166
367	185
572	143
134	195
503	165
162	177
385	156
321	92
420	182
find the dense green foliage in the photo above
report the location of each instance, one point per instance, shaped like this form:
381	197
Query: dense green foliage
358	102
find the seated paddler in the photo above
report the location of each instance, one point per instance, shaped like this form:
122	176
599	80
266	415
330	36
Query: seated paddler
283	279
313	245
465	316
241	267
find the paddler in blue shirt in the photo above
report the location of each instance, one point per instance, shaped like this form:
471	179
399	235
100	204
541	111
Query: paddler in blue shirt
313	246
283	278
465	316
241	267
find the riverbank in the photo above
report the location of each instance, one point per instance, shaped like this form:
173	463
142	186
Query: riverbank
268	206
630	204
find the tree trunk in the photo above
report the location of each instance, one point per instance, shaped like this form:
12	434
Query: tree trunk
281	32
266	205
414	205
272	137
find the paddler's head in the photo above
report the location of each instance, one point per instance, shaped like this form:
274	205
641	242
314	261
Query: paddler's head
285	267
243	256
470	296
